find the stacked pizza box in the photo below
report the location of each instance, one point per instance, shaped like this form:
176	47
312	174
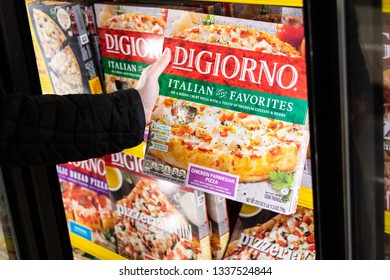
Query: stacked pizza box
62	48
87	202
219	224
261	234
289	21
155	219
386	107
208	7
231	118
130	38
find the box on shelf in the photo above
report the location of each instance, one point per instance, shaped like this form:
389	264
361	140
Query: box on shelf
86	200
63	50
156	219
131	38
231	118
261	234
289	20
219	224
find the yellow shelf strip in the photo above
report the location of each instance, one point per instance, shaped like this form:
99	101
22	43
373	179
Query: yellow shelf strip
305	198
386	6
387	222
93	249
291	3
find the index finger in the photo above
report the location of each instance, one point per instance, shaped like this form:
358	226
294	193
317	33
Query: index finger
159	66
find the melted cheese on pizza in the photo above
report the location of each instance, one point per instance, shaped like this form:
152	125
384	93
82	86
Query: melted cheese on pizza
49	33
67	69
139	240
136	22
237	37
235	133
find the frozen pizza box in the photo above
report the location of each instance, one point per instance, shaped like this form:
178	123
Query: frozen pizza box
261	234
219	224
289	21
231	118
155	219
195	6
130	38
62	47
87	202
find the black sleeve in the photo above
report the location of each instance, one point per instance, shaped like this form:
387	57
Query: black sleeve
50	129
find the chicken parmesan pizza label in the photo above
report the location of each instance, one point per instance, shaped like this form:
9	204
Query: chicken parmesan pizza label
233	102
211	181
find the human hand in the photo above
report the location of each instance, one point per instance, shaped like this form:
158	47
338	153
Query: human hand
148	86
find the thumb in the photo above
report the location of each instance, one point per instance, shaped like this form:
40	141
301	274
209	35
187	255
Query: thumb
159	66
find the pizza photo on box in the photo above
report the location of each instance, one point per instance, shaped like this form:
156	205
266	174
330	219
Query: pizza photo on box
264	235
231	118
86	200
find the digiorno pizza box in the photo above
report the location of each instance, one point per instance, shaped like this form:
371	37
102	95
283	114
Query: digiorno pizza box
130	38
87	202
231	118
261	234
208	7
62	48
289	21
155	219
219	224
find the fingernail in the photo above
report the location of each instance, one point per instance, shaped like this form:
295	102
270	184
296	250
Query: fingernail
166	51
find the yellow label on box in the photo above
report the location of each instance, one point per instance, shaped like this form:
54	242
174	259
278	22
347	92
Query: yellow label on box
205	247
138	151
95	85
224	240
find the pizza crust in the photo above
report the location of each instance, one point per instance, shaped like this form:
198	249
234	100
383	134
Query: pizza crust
136	22
248	169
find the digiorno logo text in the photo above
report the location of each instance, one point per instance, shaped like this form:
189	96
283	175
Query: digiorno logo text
229	66
129	45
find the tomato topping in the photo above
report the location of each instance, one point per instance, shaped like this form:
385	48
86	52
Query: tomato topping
310	238
203	149
242	115
168	102
275	151
163	207
206	137
282	243
226	117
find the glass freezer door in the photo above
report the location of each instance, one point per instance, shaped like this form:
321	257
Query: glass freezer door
345	69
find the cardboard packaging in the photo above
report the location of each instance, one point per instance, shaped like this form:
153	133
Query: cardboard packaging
156	219
62	48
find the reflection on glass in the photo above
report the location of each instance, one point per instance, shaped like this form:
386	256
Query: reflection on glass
7	248
386	124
